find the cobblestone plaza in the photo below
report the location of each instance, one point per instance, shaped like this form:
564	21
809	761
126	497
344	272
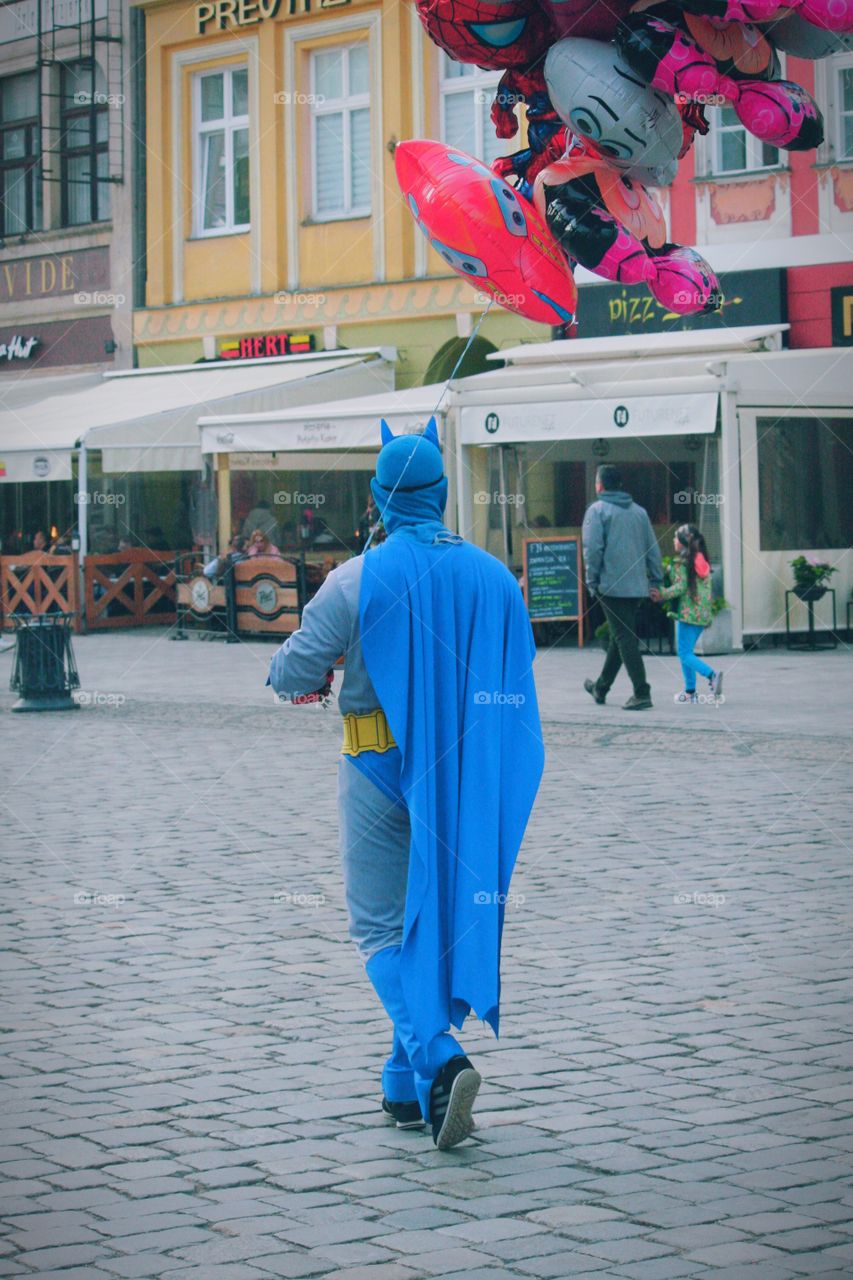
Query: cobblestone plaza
192	1050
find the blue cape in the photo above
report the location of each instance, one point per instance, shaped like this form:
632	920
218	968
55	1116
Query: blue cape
447	643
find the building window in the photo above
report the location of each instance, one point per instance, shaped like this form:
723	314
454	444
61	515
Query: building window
20	184
340	132
84	144
799	514
844	98
221	194
731	149
467	93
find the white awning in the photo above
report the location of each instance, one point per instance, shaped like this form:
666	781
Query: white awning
684	342
341	424
148	420
35	464
585	419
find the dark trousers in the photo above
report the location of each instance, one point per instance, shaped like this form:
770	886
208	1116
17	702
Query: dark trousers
621	613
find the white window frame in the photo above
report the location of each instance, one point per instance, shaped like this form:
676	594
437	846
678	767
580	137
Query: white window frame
475	80
837	64
228	124
346	105
755	163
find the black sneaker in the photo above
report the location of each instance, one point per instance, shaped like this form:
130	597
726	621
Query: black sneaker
637	704
406	1115
450	1101
592	689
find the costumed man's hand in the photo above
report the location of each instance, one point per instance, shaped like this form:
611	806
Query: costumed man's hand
323	694
654	594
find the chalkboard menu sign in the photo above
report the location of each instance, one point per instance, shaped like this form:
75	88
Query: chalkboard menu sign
553	580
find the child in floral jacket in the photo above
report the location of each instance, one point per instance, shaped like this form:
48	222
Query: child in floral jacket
691	586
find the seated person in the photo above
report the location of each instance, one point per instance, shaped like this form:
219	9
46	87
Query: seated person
221	564
260	545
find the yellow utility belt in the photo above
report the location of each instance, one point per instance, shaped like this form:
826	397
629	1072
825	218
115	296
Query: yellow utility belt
369	732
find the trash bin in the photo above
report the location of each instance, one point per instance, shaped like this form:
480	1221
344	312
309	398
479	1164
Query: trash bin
45	671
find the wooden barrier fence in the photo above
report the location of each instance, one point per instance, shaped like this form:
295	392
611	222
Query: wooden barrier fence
32	584
134	588
268	595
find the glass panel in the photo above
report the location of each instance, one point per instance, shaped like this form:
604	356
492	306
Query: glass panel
329	162
102	125
492	145
769	155
104	192
240	93
213	180
241	177
847	140
15	202
732	150
847	89
14	144
34	176
817	515
455	70
361	168
76	85
79	189
19	97
329	73
460	128
212	97
359	70
76	132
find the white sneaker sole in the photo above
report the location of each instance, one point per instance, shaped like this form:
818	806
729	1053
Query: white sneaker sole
458	1122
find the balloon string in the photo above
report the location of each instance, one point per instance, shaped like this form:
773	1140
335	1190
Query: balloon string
453	373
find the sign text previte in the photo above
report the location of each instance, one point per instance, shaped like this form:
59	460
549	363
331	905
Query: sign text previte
222	14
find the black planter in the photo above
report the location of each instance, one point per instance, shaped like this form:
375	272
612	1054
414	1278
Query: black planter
810	593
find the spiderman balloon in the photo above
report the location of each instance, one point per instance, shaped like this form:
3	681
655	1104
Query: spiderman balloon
614	92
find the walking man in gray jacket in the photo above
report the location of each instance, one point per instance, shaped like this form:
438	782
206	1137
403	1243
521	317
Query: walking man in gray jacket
623	563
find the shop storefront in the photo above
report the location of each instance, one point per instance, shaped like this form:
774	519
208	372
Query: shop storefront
120	453
302	475
720	428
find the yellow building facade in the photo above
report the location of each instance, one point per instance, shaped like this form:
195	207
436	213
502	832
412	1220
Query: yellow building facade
272	200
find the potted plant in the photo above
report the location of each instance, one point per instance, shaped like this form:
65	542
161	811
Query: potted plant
811	578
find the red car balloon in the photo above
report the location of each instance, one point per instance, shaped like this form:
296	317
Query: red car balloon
488	234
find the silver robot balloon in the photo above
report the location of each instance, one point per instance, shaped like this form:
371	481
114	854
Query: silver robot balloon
634	127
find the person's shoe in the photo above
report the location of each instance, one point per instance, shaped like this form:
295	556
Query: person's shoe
592	689
406	1115
450	1101
716	683
637	704
689	695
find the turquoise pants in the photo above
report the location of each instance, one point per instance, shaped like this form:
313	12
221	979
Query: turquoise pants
687	635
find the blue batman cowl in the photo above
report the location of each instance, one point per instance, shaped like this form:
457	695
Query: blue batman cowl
410	487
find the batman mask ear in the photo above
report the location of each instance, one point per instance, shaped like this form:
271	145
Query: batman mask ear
387	435
431	433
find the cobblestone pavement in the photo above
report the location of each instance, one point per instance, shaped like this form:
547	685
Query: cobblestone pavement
192	1051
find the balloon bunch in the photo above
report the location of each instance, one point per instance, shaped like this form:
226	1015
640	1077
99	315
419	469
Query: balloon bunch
614	93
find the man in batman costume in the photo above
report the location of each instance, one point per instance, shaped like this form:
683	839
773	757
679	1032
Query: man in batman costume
440	765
